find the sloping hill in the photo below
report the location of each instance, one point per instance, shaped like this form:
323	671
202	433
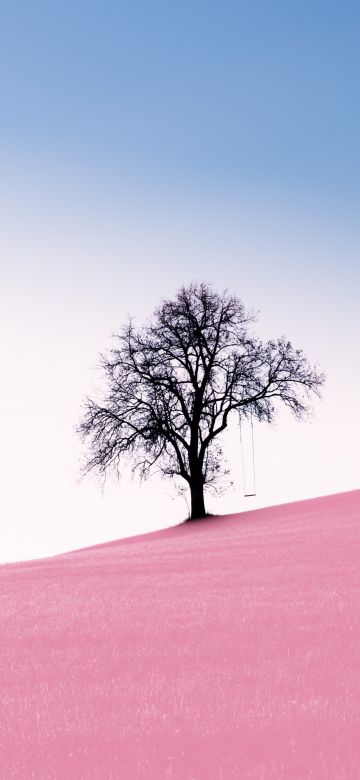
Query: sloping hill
223	649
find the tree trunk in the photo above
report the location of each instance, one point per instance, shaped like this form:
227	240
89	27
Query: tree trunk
196	482
197	499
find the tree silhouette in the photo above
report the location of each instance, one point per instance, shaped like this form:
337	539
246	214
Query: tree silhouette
172	384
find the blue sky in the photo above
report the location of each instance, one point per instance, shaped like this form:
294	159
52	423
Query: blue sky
143	146
226	95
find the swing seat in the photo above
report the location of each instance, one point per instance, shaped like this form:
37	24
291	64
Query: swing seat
249	495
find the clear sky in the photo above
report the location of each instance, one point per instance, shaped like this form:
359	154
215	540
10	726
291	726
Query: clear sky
143	146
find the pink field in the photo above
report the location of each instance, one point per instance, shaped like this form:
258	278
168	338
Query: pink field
224	649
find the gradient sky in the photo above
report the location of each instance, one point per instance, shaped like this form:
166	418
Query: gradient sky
143	146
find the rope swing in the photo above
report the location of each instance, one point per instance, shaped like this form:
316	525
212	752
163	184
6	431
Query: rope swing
246	493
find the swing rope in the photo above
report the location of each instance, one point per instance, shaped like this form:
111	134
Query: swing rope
248	495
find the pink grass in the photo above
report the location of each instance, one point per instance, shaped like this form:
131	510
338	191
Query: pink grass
223	649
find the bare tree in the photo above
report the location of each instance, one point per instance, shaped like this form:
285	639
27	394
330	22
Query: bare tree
172	384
